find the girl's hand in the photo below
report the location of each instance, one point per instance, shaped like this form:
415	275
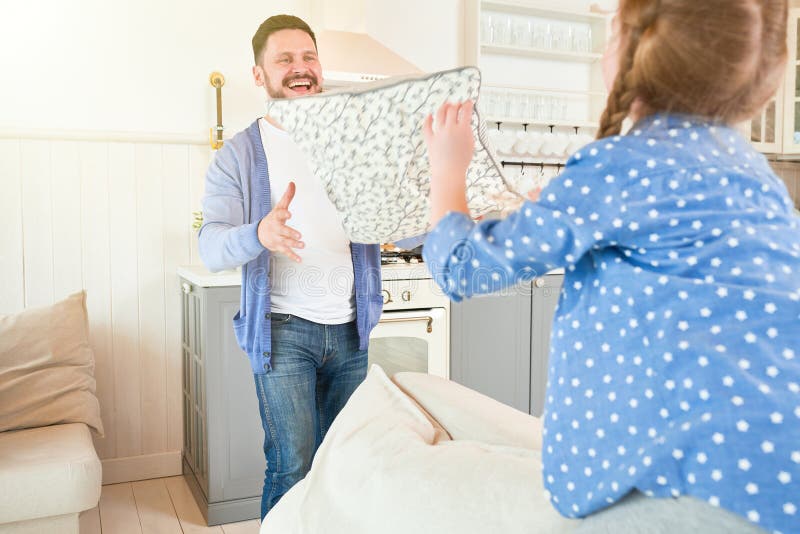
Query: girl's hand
450	150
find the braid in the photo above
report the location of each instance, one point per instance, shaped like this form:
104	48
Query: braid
624	92
621	96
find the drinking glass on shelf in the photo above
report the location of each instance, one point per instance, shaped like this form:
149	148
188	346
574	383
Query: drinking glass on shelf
560	38
558	108
484	104
489	103
487	36
501	30
543	109
521	105
521	35
542	37
583	40
505	104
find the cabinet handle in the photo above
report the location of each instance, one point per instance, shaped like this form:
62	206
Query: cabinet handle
387	297
539	282
406	295
186	288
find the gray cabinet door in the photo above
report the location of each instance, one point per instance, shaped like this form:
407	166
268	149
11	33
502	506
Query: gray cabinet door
546	291
223	450
490	345
235	436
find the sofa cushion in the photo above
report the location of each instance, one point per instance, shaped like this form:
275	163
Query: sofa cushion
467	414
47	471
366	145
47	367
383	467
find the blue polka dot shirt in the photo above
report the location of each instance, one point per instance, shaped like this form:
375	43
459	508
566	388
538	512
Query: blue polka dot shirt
673	362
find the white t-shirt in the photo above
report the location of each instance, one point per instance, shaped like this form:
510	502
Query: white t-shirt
320	288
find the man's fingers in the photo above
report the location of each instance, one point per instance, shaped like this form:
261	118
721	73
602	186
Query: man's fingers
287	197
289	253
288	232
293	243
281	214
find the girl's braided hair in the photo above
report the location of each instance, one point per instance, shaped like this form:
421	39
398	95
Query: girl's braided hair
720	59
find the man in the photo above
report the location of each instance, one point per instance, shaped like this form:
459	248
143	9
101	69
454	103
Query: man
309	297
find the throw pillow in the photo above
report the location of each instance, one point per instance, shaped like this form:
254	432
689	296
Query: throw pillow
366	145
47	367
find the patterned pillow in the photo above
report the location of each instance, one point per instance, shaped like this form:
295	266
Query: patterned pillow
366	146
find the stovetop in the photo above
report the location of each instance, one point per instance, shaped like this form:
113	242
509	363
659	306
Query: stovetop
401	257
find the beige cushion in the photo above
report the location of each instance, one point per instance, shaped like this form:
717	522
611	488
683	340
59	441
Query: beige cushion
384	467
47	367
47	471
467	414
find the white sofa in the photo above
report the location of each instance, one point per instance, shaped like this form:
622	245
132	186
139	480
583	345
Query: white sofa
49	469
48	475
417	453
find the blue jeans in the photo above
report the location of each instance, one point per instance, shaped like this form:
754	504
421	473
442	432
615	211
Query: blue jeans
315	369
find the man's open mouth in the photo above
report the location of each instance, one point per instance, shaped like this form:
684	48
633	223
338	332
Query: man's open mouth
300	85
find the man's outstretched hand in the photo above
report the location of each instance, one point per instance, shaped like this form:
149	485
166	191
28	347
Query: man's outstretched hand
275	234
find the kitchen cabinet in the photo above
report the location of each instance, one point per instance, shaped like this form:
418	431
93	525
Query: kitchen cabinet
223	460
500	342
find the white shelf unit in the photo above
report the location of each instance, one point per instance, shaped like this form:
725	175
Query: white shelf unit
776	130
519	59
789	126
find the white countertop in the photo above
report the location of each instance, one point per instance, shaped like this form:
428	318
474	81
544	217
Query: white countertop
202	277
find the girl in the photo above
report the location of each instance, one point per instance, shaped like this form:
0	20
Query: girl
673	365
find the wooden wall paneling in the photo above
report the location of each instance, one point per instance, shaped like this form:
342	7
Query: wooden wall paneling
177	251
12	274
152	331
67	244
125	297
96	258
37	222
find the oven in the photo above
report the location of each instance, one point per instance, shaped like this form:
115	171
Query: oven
414	330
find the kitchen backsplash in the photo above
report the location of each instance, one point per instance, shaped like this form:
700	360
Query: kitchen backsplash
790	172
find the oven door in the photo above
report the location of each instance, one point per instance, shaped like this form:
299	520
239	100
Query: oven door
414	340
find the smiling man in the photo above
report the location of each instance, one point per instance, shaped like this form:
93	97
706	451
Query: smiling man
309	297
286	62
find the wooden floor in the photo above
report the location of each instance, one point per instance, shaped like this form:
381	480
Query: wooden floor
158	506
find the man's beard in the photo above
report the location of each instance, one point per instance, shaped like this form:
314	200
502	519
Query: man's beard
281	91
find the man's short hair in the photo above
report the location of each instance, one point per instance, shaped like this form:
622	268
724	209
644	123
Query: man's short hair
275	24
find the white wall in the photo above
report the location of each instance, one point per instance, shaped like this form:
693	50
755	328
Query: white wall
129	65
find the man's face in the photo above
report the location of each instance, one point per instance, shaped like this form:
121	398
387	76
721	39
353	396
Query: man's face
289	65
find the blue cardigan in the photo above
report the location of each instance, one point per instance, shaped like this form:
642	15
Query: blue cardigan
237	197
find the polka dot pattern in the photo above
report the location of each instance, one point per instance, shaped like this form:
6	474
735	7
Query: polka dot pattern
673	362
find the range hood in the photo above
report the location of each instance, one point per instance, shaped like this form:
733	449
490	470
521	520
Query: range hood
351	57
347	52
